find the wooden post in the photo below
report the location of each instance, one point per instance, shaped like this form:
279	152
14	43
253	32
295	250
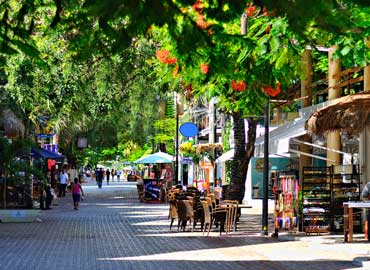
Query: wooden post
367	71
365	138
334	138
367	78
306	91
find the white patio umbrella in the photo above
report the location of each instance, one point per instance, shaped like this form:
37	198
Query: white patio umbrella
155	158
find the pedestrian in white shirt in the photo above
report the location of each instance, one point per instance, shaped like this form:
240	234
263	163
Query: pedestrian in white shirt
63	182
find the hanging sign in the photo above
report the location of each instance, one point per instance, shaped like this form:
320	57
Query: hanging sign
188	129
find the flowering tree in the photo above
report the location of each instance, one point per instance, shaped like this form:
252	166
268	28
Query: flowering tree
199	45
241	70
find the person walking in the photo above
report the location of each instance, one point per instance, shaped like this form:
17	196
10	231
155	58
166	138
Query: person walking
108	175
100	177
118	172
77	193
112	173
63	181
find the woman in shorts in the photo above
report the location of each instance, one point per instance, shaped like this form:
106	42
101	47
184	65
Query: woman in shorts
76	193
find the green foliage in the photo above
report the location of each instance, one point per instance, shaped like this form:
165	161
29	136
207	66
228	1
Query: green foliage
226	134
260	58
98	76
137	152
15	165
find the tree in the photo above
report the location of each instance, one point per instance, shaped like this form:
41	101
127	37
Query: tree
201	40
259	64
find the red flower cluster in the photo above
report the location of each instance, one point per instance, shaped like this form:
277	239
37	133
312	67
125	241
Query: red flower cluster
201	22
250	10
238	86
272	92
204	68
164	57
198	5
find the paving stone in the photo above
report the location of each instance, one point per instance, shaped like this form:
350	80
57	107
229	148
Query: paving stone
113	230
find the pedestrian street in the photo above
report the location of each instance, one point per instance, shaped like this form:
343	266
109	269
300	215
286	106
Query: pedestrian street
113	230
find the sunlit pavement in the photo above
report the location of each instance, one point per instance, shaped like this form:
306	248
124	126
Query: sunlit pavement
112	230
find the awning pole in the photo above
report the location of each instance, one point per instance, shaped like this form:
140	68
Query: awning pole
322	147
310	155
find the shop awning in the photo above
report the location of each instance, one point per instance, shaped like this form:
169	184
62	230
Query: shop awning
230	155
279	138
38	152
225	156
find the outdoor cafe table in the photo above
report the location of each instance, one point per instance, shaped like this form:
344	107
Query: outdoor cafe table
348	218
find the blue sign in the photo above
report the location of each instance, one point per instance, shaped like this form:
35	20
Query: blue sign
188	129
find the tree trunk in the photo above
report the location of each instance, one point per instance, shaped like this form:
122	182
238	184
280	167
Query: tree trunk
242	155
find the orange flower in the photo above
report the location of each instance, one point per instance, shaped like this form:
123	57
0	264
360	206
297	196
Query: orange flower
162	55
204	68
201	22
198	5
250	11
272	92
238	86
171	60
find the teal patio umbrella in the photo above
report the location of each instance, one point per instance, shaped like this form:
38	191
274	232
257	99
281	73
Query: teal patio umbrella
155	158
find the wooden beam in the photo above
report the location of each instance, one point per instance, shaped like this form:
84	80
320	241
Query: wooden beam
348	82
348	71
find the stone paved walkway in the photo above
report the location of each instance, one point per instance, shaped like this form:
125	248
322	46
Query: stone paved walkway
112	230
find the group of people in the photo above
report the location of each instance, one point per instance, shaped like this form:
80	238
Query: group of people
60	180
100	173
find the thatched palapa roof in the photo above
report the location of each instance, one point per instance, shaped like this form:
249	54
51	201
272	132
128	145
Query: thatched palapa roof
11	124
350	114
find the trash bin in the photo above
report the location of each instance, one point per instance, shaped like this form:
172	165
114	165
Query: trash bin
255	194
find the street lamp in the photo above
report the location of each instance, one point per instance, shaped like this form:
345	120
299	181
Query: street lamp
177	142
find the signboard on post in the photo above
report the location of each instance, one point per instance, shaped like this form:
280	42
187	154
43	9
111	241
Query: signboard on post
188	129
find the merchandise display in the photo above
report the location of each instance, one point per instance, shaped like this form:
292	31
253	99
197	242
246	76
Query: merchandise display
285	188
345	188
316	199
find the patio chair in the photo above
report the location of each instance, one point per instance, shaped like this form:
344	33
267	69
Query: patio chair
173	214
212	216
185	213
232	206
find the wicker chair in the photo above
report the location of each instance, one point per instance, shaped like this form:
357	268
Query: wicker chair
212	216
232	208
173	213
185	213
